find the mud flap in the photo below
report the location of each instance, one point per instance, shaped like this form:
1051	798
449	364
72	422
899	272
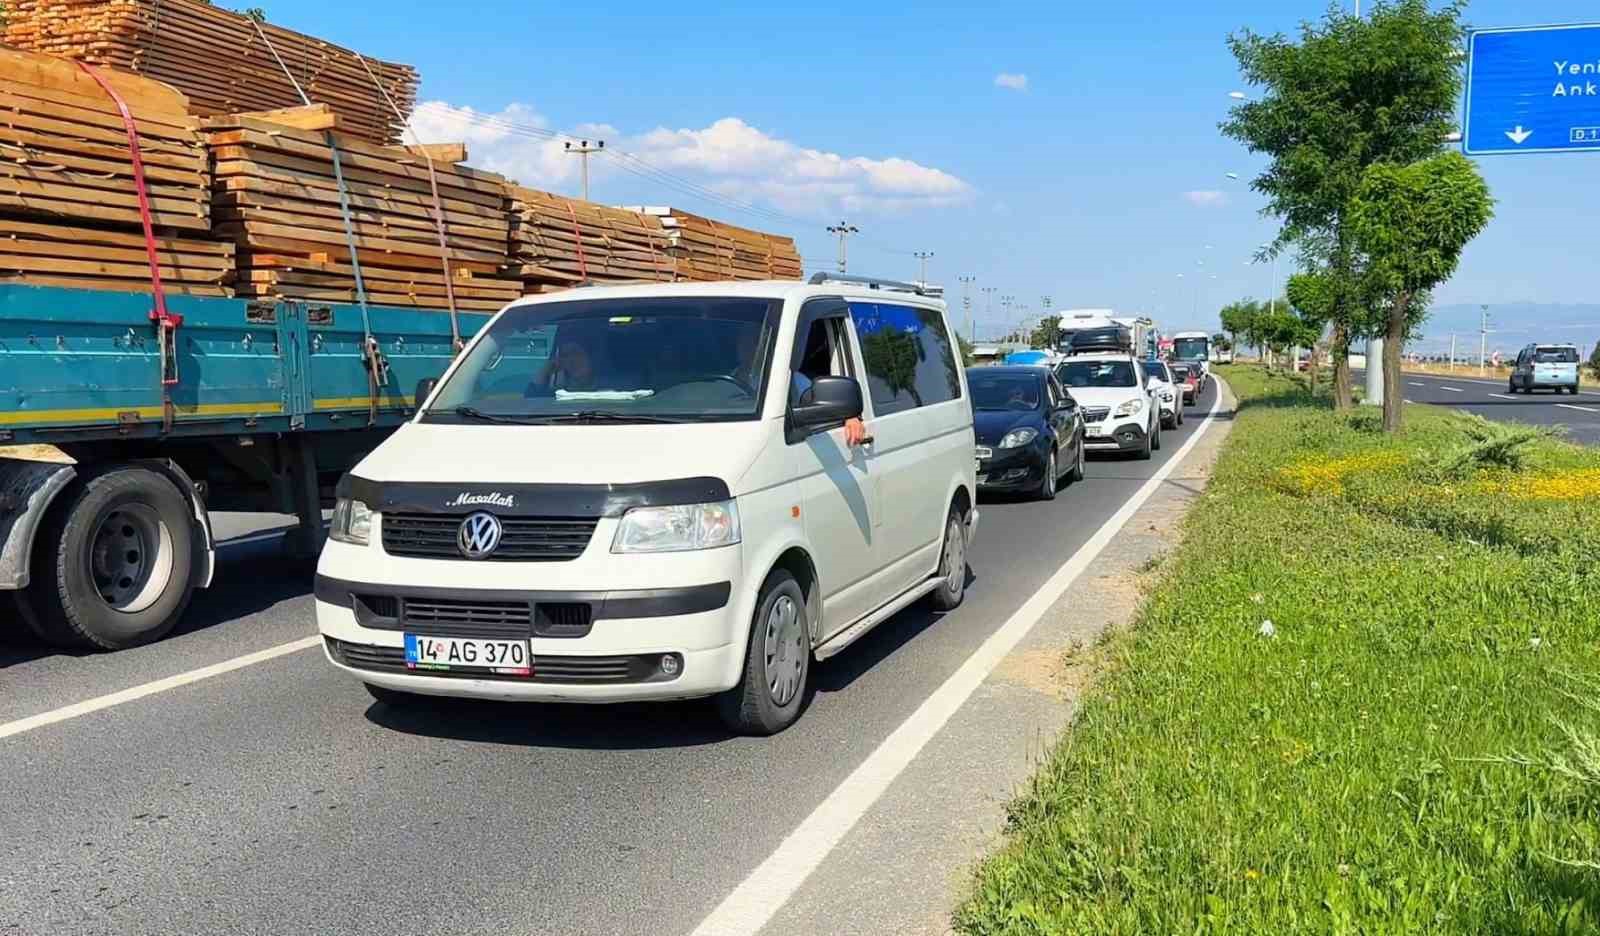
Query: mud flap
27	489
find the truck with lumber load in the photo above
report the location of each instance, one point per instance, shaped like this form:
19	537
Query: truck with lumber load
268	404
223	303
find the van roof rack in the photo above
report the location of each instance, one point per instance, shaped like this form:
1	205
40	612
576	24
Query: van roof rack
871	282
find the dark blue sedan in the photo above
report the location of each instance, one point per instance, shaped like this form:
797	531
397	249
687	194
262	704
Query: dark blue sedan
1030	430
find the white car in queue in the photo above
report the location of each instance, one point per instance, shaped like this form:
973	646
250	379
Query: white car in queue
659	492
1121	411
1169	397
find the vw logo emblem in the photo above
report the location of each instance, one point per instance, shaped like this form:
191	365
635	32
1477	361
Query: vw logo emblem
480	534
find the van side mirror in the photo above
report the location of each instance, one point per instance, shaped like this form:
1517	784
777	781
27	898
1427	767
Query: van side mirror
424	390
828	402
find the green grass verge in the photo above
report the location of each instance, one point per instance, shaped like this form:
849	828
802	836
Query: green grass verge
1352	773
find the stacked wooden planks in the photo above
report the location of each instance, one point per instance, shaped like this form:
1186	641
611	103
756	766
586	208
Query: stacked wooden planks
558	241
277	197
69	213
710	250
217	58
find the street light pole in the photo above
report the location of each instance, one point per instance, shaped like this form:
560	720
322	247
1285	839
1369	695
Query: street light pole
1483	343
966	303
844	230
582	151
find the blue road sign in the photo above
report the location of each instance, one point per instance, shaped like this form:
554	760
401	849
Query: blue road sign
1533	89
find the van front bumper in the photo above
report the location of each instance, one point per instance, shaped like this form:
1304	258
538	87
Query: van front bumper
618	650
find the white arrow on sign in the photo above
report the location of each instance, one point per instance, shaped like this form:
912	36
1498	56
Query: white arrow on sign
1519	135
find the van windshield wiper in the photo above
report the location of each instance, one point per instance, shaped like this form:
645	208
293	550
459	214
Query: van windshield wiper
608	416
468	412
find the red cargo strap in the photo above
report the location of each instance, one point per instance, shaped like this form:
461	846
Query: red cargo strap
577	232
167	323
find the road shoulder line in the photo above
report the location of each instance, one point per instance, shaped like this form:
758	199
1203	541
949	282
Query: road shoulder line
759	897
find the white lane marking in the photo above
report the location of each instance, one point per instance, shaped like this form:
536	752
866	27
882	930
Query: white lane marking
1583	409
1415	383
1502	396
761	895
151	688
1453	389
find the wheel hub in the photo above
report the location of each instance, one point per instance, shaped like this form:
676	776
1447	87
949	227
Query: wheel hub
785	649
130	557
955	560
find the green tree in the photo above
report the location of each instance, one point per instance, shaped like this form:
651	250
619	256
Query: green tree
1594	360
1236	320
1221	342
1312	294
1351	93
1412	222
1047	334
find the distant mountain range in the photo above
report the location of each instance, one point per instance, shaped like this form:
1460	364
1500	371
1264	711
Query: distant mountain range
1512	325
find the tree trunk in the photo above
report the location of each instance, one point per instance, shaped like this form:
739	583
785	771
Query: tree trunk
1342	397
1311	368
1392	340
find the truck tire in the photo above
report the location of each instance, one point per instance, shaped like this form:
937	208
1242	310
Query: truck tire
113	566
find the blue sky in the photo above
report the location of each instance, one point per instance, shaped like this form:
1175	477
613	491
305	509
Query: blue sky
1084	185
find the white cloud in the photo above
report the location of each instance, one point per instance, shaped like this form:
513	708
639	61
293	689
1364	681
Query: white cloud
728	156
1206	198
1012	80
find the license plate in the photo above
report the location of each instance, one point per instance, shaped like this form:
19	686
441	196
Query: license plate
510	657
1094	432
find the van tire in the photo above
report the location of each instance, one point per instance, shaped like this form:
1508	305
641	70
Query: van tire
141	519
952	580
750	707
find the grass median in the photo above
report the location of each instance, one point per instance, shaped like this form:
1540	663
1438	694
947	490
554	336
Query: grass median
1359	699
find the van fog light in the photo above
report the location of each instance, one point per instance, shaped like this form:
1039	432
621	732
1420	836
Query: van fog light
670	664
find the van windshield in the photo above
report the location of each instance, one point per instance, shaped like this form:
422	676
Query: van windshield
1556	356
643	360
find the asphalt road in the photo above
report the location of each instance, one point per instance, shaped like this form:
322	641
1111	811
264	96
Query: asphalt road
278	798
1578	415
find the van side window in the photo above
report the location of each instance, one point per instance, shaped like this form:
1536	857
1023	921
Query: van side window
824	353
910	358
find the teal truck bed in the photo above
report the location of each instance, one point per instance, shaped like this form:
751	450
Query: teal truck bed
272	402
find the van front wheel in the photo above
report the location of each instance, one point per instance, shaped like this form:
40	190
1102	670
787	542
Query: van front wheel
777	662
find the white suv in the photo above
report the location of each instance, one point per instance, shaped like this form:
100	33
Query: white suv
1121	411
647	492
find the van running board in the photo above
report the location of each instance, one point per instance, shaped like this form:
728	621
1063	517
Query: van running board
859	629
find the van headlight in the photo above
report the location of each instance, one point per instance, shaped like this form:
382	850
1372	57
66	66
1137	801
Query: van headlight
1017	438
1130	408
351	523
677	529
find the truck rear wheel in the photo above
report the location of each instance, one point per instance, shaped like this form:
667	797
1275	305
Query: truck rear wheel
113	567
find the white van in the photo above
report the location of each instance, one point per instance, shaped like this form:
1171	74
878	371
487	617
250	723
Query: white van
647	492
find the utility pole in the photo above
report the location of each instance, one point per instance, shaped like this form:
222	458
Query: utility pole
1452	352
1483	343
1005	307
1044	302
844	230
924	256
966	304
582	151
988	303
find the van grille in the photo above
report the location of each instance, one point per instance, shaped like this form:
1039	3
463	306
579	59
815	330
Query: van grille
456	617
523	539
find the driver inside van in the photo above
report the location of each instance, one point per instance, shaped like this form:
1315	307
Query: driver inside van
570	368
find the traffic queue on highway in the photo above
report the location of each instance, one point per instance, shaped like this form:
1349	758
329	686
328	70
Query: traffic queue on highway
688	490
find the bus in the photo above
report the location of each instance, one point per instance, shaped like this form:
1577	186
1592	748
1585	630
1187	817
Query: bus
1193	347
